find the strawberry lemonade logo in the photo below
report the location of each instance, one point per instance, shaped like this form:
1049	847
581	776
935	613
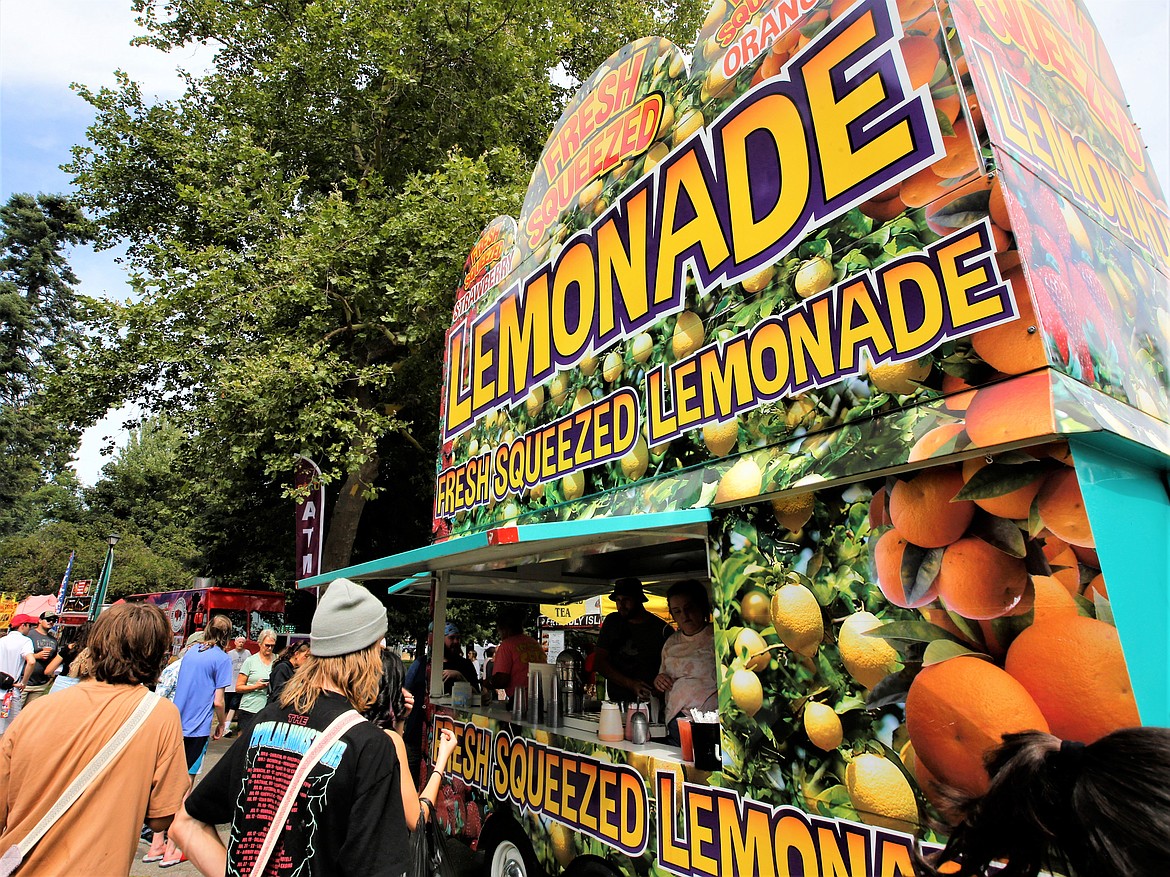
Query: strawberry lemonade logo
729	201
488	264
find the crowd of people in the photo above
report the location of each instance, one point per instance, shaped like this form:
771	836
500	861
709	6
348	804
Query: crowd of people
321	778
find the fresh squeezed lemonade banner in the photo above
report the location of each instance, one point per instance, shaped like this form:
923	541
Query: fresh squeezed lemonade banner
731	173
1088	214
710	831
1052	100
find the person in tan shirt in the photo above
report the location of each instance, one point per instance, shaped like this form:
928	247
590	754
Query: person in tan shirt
56	736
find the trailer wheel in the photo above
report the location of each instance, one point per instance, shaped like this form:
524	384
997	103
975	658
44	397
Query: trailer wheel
507	852
591	866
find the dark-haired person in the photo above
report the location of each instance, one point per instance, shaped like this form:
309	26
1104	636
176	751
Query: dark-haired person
1096	810
686	674
389	712
515	652
45	647
455	668
54	738
286	665
347	818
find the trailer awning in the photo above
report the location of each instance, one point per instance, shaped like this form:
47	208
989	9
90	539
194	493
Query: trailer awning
548	562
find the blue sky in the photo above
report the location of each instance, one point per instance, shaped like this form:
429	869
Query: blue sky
47	44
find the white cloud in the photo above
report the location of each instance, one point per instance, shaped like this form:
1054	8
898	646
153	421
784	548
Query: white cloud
47	44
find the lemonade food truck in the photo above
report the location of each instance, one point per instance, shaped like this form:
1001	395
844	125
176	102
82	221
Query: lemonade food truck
857	312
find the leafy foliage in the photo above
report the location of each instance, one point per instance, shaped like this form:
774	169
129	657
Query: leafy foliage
39	318
296	221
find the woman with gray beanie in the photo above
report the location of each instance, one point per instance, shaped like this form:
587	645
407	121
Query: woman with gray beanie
347	818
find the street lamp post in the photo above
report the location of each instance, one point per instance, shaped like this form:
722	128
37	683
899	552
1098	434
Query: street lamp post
99	598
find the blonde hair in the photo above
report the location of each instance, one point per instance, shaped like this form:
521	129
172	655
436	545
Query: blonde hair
356	675
82	666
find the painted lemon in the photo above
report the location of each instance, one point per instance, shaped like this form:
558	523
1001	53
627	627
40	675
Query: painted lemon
751	643
796	615
558	388
534	401
561	838
611	369
813	276
573	485
690	122
823	726
869	659
654	155
636	459
793	512
755	608
881	794
741	481
756	282
747	692
721	438
688	334
902	378
641	346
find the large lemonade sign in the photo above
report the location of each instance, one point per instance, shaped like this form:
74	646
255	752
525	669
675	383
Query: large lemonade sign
721	210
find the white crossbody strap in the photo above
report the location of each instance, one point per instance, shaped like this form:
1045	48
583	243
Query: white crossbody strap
332	733
91	771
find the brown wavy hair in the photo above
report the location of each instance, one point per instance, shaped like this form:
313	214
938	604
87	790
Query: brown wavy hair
356	675
218	631
129	644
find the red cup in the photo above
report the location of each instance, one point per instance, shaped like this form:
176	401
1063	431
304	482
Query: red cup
684	738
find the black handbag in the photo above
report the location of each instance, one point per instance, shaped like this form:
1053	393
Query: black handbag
7	683
429	856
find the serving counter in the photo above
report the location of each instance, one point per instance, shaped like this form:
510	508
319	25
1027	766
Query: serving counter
580	727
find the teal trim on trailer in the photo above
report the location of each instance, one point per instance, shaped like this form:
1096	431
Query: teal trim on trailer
1125	491
554	554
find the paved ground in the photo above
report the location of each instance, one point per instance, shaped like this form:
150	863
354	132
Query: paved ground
184	869
465	861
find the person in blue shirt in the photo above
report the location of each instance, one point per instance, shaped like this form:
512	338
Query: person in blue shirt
204	676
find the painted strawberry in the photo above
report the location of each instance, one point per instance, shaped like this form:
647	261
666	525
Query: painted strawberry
1051	295
473	824
1051	228
1094	301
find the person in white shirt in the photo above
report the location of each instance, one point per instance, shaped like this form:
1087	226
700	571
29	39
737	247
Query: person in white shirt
239	654
17	661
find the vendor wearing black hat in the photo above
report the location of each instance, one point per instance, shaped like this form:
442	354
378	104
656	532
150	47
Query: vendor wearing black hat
630	646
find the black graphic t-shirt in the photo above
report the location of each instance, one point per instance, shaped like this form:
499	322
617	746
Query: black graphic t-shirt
348	818
40	641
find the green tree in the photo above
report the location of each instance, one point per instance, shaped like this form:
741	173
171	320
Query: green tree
296	221
40	313
33	563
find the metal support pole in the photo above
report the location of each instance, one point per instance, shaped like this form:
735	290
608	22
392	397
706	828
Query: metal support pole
99	598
